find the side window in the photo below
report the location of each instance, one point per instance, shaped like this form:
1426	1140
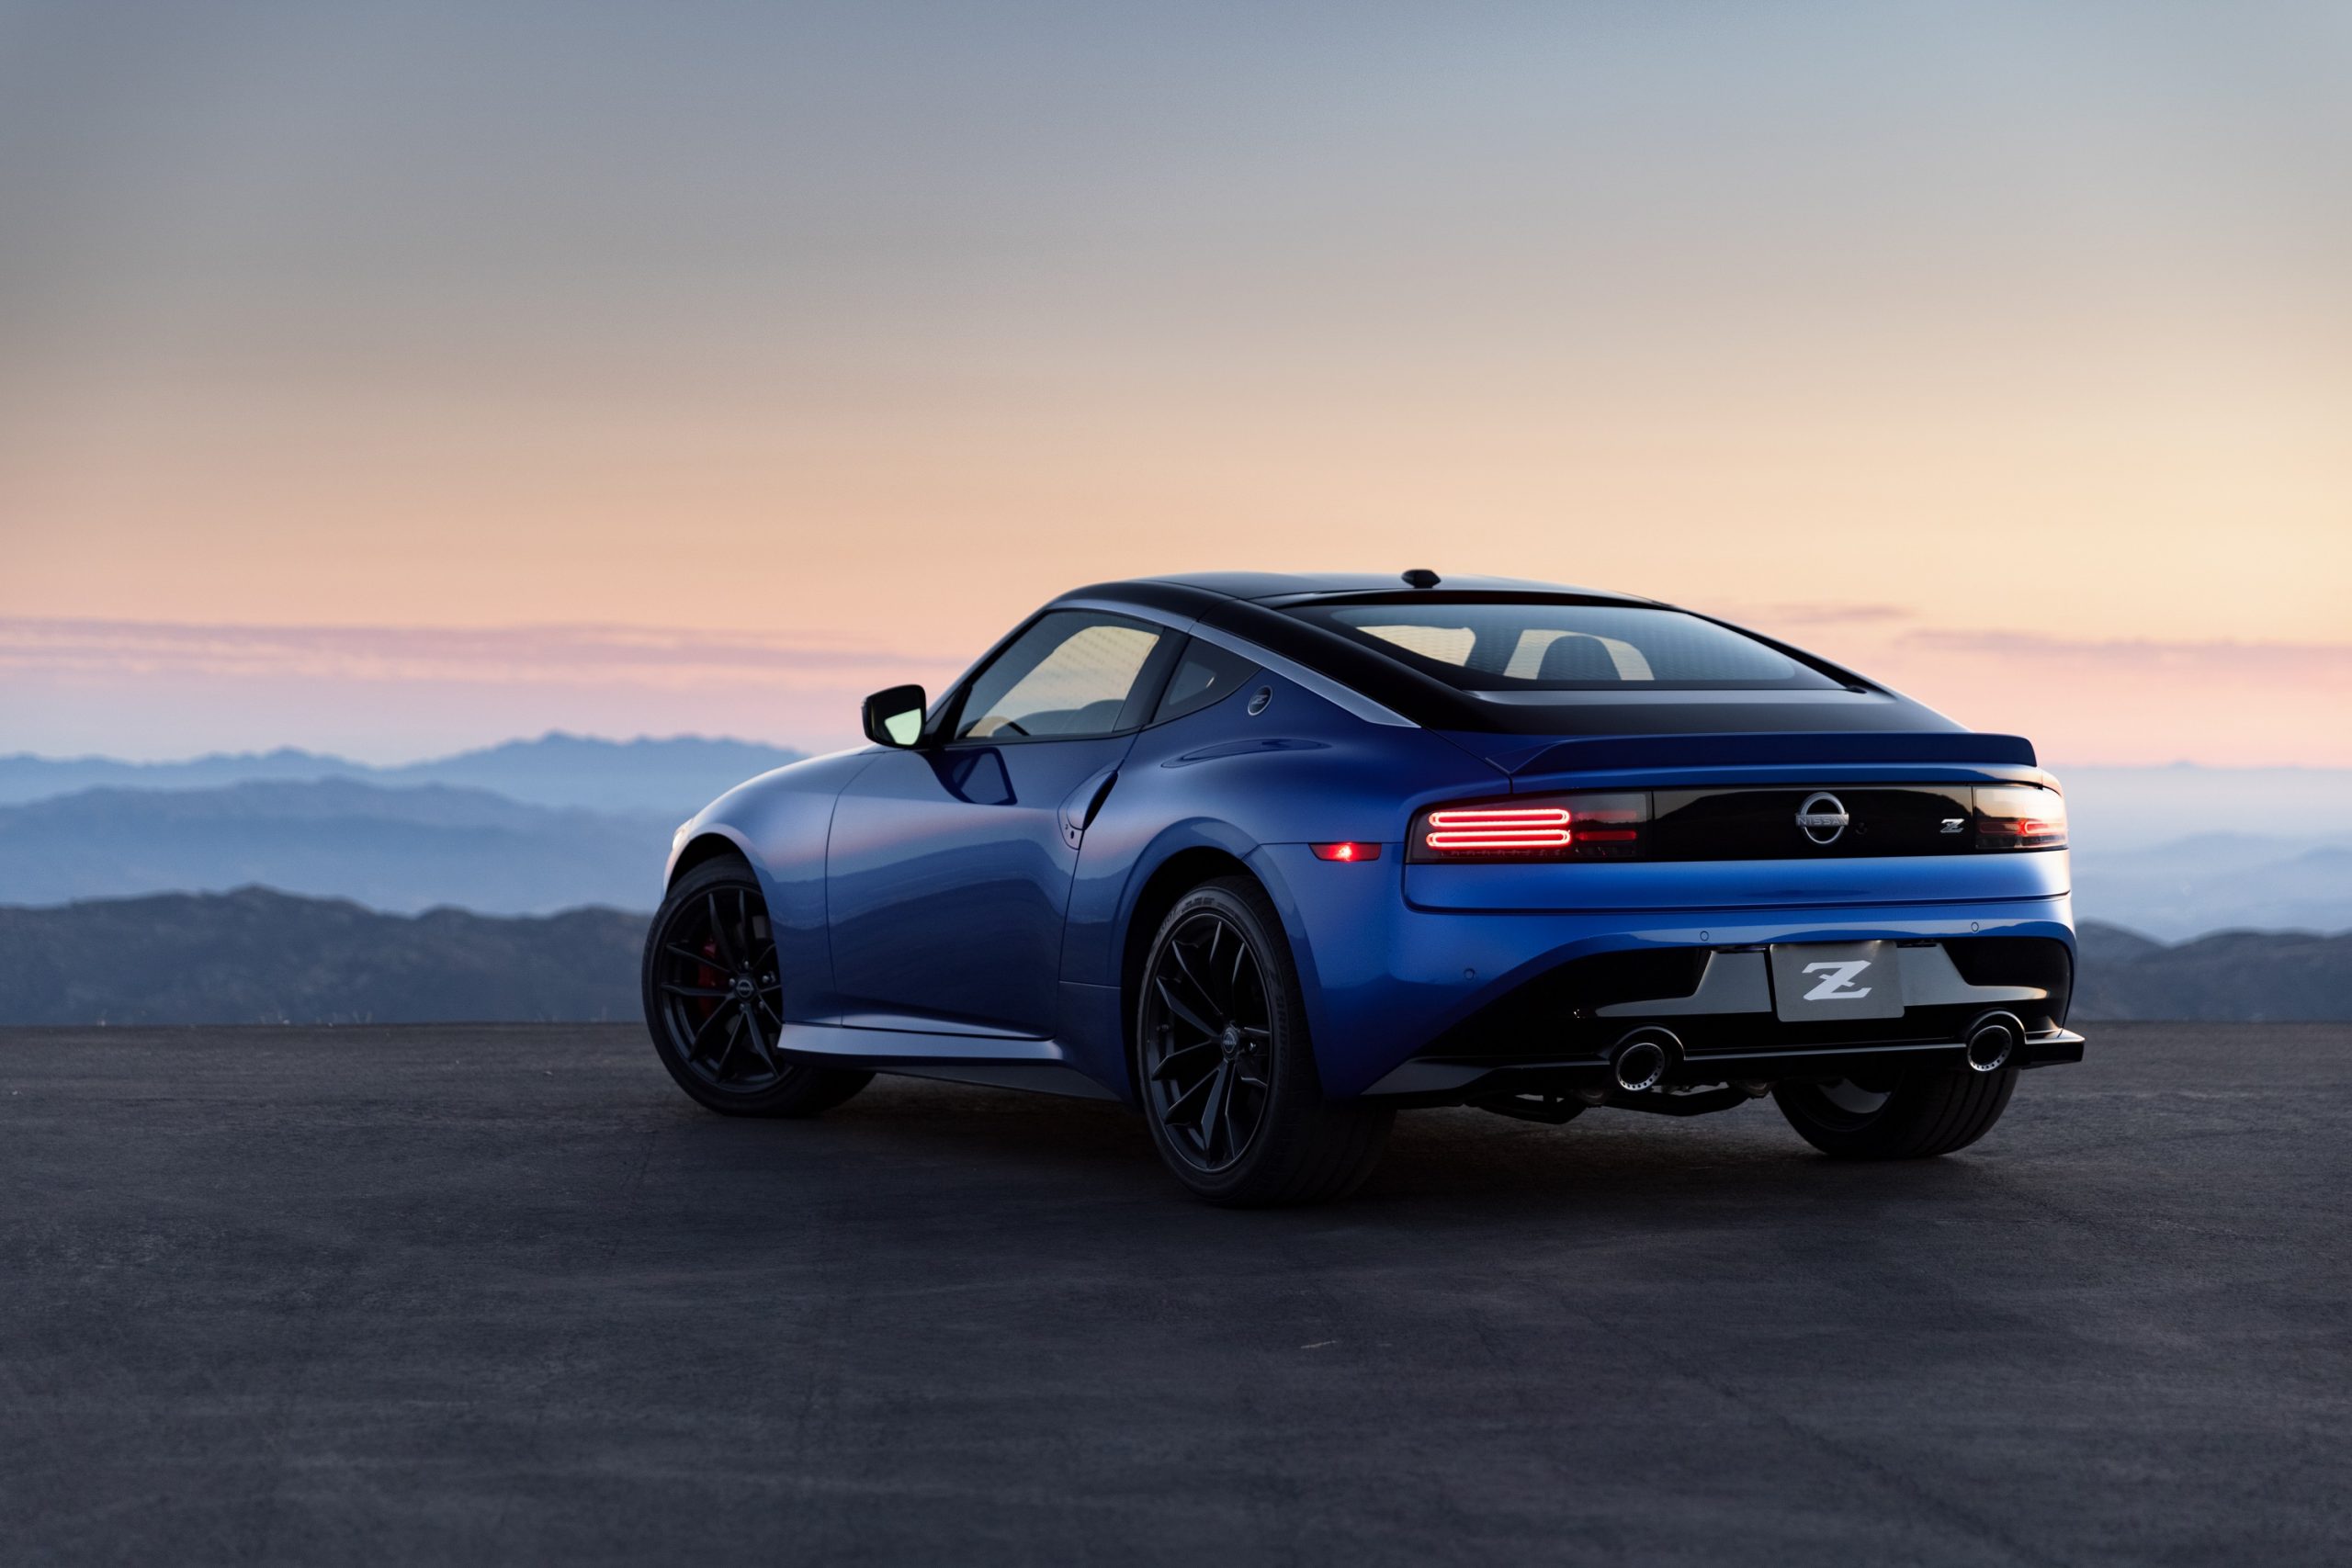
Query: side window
1206	674
1069	675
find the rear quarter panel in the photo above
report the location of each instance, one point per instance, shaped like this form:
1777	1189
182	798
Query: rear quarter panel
1302	771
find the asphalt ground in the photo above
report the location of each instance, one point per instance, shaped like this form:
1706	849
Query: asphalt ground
502	1294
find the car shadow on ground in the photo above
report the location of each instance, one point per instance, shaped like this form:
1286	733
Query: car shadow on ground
982	1146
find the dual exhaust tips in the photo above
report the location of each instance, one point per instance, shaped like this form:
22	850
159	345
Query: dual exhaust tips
1644	1057
1992	1039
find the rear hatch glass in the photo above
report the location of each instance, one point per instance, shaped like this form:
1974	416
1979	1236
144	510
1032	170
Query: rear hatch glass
1535	646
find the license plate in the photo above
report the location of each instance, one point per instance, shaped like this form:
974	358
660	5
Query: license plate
1819	980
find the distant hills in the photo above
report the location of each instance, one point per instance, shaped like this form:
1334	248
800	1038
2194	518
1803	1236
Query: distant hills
672	778
2217	881
2228	977
254	956
401	849
257	956
530	826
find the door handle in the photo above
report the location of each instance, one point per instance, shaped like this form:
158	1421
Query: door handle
1084	802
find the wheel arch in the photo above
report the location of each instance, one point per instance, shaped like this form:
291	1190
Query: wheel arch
711	843
1175	874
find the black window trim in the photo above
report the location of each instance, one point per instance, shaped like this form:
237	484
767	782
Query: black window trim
939	733
1184	650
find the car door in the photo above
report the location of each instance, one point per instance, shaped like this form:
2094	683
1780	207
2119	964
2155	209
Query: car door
948	869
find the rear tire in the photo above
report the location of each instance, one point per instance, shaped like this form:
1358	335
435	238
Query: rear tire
1226	1069
714	1001
1918	1116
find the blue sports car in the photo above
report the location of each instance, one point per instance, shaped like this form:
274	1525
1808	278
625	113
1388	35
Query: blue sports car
1271	858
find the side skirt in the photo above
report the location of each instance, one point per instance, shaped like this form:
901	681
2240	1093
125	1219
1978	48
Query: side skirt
996	1061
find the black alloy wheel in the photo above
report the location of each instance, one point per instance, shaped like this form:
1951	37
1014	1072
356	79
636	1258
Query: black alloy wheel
714	1001
1224	1064
1209	1041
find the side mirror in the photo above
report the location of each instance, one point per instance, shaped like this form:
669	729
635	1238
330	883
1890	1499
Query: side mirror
893	717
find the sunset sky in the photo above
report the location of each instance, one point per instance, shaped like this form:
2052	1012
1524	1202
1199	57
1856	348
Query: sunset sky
390	378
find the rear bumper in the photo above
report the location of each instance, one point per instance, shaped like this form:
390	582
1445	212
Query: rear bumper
1391	983
1450	1082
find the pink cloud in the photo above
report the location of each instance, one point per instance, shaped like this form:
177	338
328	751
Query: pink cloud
496	655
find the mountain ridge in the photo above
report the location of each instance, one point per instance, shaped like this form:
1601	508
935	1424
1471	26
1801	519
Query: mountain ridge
557	769
397	849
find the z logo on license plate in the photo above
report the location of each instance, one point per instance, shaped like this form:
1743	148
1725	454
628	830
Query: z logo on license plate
1837	982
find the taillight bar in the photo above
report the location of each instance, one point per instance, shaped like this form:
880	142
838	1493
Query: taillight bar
1567	827
1465	830
1619	825
2019	817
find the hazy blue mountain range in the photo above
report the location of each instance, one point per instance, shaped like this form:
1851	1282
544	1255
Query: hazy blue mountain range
2216	880
258	956
674	777
390	848
2227	976
255	956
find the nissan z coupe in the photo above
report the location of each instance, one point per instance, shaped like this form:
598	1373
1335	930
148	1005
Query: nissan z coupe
1272	858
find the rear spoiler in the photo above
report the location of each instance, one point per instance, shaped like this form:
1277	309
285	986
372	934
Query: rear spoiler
1603	752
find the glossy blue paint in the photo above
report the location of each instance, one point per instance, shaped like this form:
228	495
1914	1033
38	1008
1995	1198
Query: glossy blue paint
951	907
779	822
947	879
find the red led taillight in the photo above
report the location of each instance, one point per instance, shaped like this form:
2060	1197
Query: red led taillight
1573	826
1486	830
2019	817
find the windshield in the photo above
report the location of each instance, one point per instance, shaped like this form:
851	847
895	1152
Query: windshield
1540	646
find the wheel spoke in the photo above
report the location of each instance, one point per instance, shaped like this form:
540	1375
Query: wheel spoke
734	1032
1256	992
758	1041
1180	1010
694	1042
718	933
1175	1113
1226	1111
711	992
1212	1111
1166	1070
1192	977
691	956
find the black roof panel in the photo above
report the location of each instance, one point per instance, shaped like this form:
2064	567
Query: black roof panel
1302	585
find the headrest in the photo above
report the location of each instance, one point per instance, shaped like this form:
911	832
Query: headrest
1577	658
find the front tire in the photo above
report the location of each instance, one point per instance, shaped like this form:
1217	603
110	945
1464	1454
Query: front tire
1914	1116
714	1001
1226	1070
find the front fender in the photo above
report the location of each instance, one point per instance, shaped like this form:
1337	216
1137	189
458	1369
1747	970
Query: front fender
779	822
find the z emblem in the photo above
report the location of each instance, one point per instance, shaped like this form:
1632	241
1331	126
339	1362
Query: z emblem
1838	984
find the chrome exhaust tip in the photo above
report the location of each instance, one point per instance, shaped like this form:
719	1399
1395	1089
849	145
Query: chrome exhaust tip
1643	1058
1992	1039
